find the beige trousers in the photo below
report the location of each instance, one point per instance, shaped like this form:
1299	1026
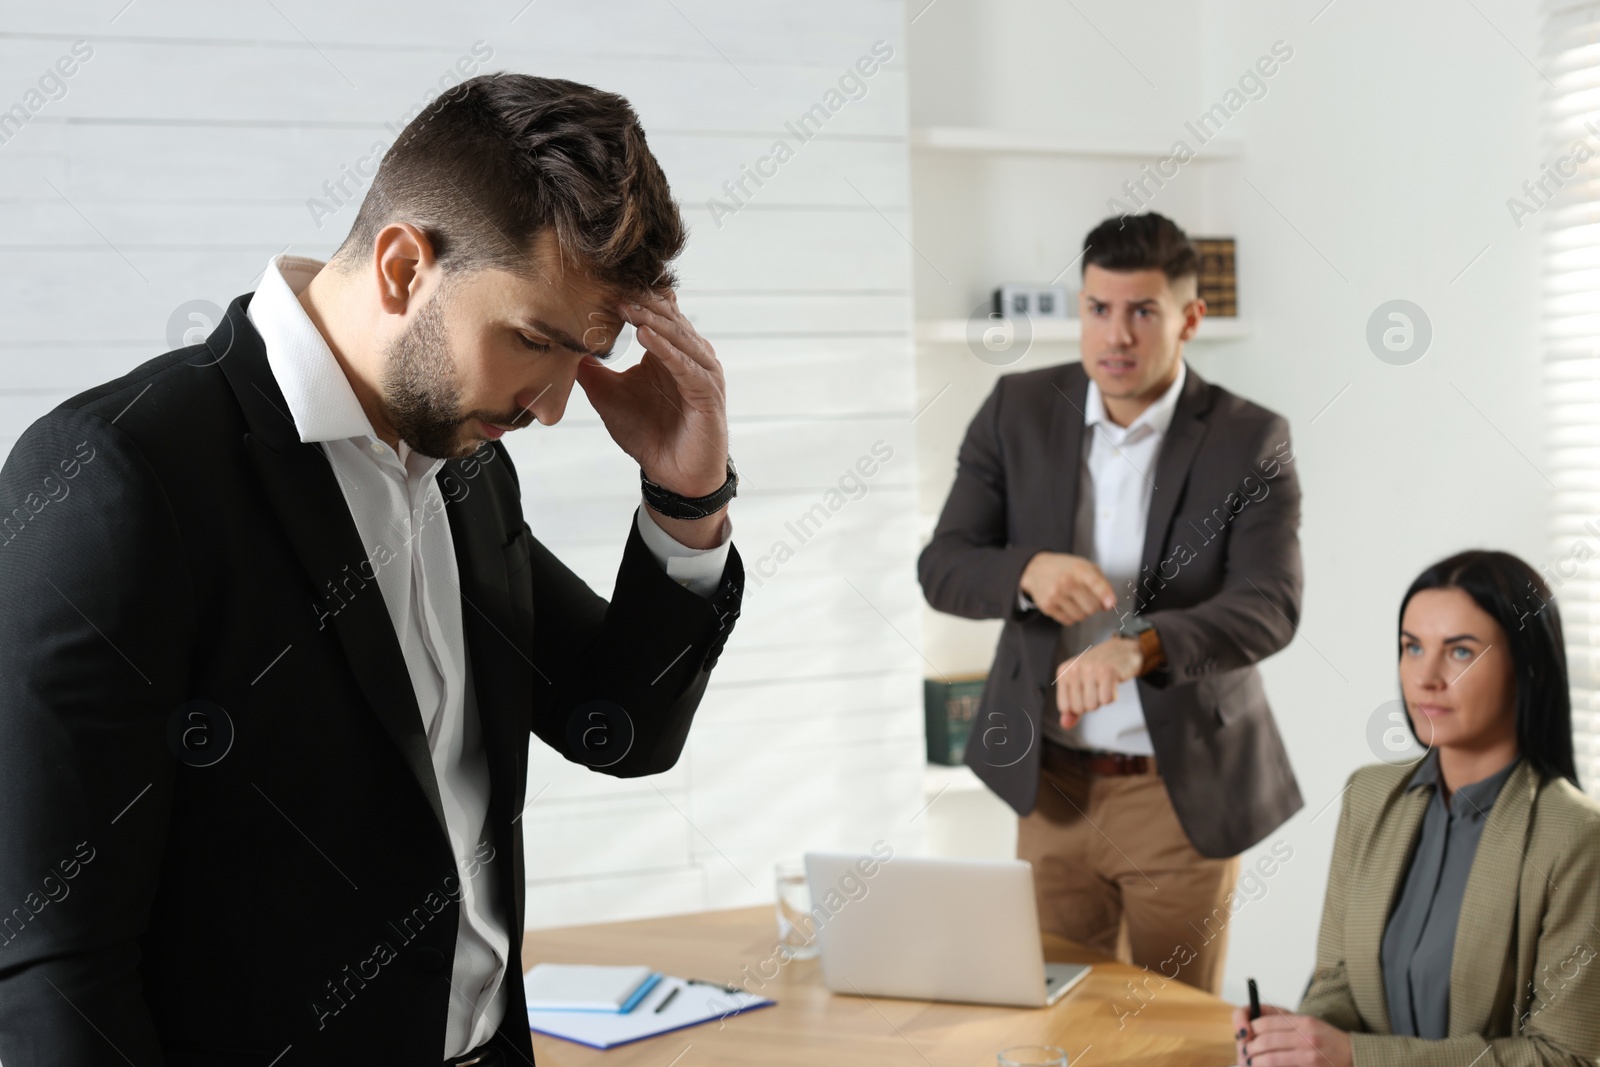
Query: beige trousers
1113	869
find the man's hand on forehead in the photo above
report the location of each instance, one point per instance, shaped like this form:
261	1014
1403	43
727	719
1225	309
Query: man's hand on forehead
668	411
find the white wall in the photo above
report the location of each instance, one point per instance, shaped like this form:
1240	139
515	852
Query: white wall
183	155
1380	160
1391	144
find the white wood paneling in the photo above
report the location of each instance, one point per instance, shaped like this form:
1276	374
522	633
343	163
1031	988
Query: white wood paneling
183	154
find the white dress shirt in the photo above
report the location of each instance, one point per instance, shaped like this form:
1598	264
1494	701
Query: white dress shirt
1115	481
399	513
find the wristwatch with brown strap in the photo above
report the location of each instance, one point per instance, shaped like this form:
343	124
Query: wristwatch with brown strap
1140	629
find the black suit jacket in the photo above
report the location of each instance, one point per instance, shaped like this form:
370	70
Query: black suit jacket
1220	579
181	580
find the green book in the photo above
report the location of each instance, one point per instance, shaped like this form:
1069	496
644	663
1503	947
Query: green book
950	707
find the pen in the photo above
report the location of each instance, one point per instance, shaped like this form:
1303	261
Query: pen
667	999
717	985
1255	1000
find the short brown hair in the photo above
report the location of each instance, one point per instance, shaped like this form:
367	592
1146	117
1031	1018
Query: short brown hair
1141	242
494	160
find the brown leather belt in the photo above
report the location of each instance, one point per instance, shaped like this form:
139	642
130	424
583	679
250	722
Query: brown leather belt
1097	762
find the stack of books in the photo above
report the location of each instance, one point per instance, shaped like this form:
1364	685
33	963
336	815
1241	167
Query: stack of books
1219	286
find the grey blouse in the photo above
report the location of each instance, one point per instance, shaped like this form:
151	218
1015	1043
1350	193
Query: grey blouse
1419	940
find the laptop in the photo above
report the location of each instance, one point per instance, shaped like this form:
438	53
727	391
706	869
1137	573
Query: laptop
933	929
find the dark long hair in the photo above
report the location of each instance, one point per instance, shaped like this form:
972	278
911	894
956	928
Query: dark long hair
1517	598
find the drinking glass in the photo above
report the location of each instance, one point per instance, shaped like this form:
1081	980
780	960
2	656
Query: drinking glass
796	932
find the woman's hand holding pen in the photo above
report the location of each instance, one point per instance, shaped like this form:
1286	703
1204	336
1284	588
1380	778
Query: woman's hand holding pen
1279	1038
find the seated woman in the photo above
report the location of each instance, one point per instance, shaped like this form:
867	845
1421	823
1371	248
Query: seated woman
1462	917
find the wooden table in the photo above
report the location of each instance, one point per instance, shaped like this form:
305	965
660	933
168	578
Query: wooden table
1118	1015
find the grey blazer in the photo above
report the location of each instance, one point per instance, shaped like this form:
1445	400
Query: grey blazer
1220	580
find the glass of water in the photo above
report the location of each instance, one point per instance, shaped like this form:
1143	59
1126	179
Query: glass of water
1033	1056
796	929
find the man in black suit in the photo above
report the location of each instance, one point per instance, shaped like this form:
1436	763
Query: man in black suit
276	633
1136	528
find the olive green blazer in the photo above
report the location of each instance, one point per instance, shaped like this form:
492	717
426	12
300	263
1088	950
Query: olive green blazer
1524	980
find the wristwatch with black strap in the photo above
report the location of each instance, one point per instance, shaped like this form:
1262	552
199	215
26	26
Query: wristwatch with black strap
675	506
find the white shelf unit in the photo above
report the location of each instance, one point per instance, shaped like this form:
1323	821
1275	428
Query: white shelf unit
940	779
954	331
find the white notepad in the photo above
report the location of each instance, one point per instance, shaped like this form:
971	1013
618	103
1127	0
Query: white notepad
568	987
690	1005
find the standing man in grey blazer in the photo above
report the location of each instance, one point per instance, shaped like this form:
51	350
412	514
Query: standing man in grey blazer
1135	527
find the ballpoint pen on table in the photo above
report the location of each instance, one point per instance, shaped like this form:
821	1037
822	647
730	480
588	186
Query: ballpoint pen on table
717	985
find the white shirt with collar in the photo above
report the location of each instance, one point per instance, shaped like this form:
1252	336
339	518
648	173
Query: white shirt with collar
1115	481
399	513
